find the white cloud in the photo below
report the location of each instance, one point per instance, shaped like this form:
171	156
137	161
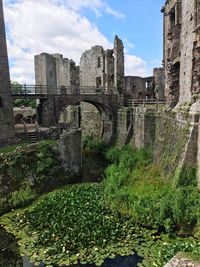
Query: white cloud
135	66
36	26
98	6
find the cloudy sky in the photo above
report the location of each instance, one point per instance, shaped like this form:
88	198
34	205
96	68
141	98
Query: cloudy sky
70	27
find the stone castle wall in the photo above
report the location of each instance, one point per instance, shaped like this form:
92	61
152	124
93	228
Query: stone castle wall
187	44
55	72
172	135
6	105
92	67
181	51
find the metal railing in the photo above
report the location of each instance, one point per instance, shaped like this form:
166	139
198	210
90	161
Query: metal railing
145	102
27	89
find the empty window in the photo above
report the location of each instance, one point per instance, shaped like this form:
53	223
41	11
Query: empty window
98	82
98	62
51	73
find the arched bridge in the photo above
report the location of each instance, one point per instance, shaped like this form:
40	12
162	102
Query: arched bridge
53	100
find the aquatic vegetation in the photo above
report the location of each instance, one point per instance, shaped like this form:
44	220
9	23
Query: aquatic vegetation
72	225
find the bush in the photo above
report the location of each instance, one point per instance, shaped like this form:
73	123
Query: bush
97	146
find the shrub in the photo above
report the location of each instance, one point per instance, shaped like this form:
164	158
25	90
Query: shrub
97	146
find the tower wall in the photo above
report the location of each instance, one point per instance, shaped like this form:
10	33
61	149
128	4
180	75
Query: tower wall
6	104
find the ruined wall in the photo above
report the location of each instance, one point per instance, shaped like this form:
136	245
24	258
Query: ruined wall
55	72
45	72
159	76
187	43
91	123
109	71
70	152
118	64
134	87
172	47
174	136
6	105
92	68
181	51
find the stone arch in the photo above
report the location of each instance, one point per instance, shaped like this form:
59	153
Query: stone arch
107	118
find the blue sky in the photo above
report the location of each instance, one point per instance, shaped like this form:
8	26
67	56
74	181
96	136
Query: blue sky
142	26
71	26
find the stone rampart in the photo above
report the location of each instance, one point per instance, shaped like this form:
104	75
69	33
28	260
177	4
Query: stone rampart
173	136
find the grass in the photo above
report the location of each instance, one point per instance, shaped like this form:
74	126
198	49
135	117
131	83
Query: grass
11	148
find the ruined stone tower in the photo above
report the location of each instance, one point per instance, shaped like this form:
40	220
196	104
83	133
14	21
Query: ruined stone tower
6	106
118	64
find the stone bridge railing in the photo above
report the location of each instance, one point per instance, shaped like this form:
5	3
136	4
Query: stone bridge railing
31	90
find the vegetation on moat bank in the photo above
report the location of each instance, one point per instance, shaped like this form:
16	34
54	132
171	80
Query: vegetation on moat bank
26	172
134	209
135	187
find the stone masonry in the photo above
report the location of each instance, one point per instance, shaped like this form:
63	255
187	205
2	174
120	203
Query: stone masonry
138	87
100	69
159	75
55	72
6	106
182	51
70	151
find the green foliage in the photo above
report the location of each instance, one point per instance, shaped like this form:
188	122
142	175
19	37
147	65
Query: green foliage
158	251
187	176
73	225
21	197
135	187
97	146
11	148
28	171
18	89
9	251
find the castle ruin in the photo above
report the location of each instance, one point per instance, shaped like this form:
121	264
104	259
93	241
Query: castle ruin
99	68
182	51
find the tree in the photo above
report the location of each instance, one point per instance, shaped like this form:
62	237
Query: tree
18	89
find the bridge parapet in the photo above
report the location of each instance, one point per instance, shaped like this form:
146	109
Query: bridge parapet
43	90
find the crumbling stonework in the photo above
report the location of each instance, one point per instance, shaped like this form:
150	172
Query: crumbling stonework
138	88
159	76
172	46
181	51
6	105
196	69
100	71
92	68
55	72
103	69
118	64
70	151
